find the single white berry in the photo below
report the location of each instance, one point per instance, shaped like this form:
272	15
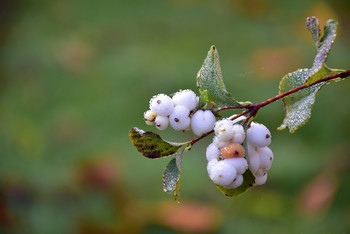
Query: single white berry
261	179
179	118
240	164
211	164
161	122
266	157
236	182
224	129
186	98
253	159
212	152
202	122
258	135
222	173
161	104
219	143
238	133
149	117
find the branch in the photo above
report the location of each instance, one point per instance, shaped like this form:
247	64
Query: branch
252	109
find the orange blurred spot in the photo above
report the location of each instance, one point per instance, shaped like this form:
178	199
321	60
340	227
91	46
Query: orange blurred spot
189	217
318	195
274	63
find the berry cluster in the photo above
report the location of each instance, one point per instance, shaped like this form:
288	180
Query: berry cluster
259	154
226	154
181	111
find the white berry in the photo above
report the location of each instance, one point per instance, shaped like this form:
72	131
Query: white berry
266	157
240	164
179	118
161	104
236	182
186	98
253	159
258	135
149	117
261	179
222	173
219	143
224	129
161	122
202	122
238	133
212	152
211	164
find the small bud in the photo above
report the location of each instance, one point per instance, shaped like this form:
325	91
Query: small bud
149	117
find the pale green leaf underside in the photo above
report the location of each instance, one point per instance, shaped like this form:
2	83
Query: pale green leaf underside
151	145
172	175
325	46
210	78
297	105
248	182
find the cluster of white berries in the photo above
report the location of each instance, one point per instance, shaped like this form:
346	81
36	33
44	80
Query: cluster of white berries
226	162
226	154
260	155
180	111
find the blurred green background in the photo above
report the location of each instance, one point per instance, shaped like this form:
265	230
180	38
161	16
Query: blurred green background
75	76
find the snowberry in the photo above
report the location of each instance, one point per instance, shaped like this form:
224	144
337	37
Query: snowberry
236	182
233	150
258	135
149	117
161	122
260	180
179	118
186	98
253	159
266	157
202	122
222	173
212	152
211	164
224	129
219	143
240	164
238	133
161	104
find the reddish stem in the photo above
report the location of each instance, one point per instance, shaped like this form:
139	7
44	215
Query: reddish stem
252	109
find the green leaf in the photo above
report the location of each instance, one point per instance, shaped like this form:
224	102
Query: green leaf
248	182
172	175
203	98
151	145
209	79
313	26
326	43
298	105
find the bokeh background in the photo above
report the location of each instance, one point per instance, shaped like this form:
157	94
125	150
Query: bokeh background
75	76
